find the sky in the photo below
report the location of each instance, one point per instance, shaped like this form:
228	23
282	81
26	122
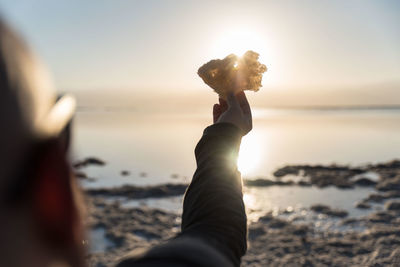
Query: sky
317	52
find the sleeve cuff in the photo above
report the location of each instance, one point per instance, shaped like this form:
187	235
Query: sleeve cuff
224	129
218	140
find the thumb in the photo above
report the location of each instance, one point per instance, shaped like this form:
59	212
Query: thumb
232	101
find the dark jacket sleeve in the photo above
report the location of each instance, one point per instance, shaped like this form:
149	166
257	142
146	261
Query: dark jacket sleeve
213	207
214	220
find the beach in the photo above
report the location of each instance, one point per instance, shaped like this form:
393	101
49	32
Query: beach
321	187
110	112
318	235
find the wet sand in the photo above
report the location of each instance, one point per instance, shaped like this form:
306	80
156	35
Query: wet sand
275	239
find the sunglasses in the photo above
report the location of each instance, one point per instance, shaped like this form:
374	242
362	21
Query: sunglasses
54	131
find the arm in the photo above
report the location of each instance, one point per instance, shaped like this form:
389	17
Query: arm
213	208
214	219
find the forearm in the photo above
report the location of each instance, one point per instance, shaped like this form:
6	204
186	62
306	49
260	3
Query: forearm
213	206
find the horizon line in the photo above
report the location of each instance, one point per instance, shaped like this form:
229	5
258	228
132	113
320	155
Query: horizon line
299	108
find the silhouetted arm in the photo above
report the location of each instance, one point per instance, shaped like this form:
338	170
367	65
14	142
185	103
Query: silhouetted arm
213	208
214	219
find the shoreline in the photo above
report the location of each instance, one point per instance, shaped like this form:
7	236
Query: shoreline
273	240
276	238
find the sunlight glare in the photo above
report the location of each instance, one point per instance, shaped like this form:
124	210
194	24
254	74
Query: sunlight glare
238	41
239	38
250	154
249	200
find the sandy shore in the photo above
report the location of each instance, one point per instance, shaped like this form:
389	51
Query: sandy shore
275	239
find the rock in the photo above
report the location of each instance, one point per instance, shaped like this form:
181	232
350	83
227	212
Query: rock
259	182
174	176
304	183
377	198
388	240
383	231
337	213
319	208
138	192
394	164
363	205
389	184
80	175
364	182
393	205
266	182
284	183
376	257
88	161
359	250
394	257
266	218
277	223
391	194
340	176
281	246
256	231
125	173
349	221
286	171
145	234
300	230
83	176
380	217
94	161
127	228
340	243
325	178
273	241
344	185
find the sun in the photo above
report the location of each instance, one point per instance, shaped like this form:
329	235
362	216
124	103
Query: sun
238	41
238	38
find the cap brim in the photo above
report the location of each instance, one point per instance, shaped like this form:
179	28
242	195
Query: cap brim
57	118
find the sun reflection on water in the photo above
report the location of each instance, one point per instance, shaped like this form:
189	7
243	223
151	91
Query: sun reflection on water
249	200
250	154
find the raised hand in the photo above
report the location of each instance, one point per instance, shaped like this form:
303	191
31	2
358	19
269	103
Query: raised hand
235	110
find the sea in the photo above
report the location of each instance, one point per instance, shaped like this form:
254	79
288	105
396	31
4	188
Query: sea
157	148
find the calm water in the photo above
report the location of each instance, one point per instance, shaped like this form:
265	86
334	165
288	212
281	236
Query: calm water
157	148
277	199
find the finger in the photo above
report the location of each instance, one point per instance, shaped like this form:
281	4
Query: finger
216	112
223	104
244	104
232	101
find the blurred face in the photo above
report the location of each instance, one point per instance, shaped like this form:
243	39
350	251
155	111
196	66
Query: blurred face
40	218
43	209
